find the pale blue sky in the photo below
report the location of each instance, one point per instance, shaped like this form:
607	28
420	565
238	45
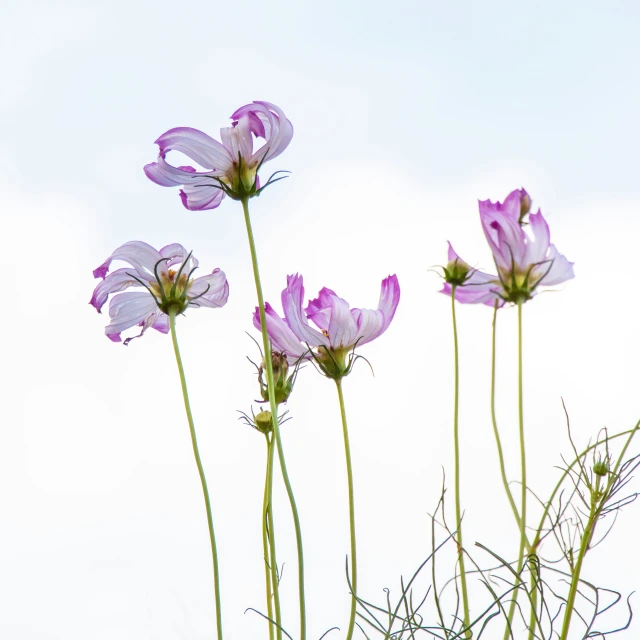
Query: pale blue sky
405	114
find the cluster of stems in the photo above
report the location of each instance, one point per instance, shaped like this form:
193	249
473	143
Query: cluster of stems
273	442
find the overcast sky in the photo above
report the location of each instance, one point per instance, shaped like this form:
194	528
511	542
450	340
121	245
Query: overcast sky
405	114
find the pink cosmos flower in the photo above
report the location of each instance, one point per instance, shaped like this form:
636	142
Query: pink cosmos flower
231	166
339	328
472	286
522	251
166	277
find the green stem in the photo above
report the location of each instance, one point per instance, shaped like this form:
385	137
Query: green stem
597	503
274	419
503	474
631	433
352	517
456	448
587	535
523	479
203	481
269	546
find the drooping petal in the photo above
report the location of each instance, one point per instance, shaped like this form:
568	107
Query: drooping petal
283	340
130	309
119	280
560	269
488	293
198	146
292	298
281	130
211	290
162	323
141	256
201	197
176	254
277	130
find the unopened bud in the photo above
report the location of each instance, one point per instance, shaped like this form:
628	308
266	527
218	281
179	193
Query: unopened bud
525	204
263	421
601	468
457	272
282	385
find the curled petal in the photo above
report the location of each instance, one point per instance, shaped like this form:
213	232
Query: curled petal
560	270
117	281
201	197
141	256
211	290
175	253
130	309
277	129
389	299
292	298
200	147
282	338
319	309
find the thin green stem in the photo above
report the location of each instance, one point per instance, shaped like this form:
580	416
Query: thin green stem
523	479
274	418
631	433
203	481
269	546
503	474
352	517
456	449
598	500
587	535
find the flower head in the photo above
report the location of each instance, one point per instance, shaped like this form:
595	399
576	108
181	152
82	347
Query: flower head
339	328
231	167
471	285
169	288
525	259
524	256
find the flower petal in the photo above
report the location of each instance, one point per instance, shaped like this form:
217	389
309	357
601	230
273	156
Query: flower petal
343	330
319	309
560	270
506	240
283	340
277	129
211	290
292	298
200	147
130	309
176	254
119	280
538	245
141	256
201	197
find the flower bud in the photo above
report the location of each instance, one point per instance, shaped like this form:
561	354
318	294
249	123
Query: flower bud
262	421
601	468
525	204
282	386
457	272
